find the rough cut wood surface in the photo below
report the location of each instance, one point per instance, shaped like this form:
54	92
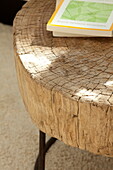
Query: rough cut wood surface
66	83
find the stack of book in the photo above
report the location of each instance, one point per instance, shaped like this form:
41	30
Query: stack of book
79	18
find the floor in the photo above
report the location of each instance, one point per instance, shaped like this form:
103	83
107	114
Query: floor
18	134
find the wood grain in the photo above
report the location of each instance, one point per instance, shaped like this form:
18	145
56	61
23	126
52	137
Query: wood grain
66	83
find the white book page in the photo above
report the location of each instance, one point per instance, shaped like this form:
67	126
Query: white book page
57	2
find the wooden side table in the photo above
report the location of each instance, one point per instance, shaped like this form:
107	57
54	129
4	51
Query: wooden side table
66	83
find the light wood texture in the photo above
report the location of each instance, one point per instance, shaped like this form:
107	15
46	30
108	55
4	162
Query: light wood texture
66	83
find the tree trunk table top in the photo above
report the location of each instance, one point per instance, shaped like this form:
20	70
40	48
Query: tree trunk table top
66	83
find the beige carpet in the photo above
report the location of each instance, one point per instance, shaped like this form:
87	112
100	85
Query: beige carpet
18	134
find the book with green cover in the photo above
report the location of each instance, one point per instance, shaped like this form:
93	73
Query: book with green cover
83	17
61	34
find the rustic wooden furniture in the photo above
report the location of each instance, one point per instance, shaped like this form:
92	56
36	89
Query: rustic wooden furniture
66	83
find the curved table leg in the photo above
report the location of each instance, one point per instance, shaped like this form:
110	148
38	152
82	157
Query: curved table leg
43	148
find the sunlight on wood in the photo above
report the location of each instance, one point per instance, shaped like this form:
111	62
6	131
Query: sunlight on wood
109	83
30	60
87	94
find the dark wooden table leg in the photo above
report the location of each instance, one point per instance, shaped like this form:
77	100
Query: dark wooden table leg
43	148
